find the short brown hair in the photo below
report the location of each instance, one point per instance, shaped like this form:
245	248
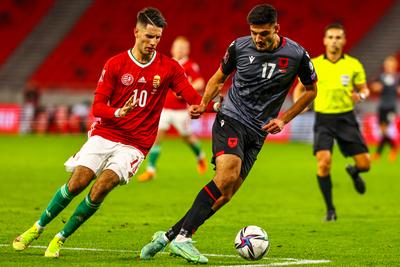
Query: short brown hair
151	15
335	25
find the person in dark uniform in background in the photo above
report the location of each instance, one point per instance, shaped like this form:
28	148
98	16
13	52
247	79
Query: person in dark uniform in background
387	85
266	65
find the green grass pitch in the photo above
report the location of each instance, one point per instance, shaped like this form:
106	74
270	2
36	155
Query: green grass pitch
280	195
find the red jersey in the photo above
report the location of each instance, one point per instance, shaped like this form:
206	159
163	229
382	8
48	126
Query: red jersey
122	77
192	72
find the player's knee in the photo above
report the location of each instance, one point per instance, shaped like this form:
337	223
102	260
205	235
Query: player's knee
324	166
99	191
80	179
102	187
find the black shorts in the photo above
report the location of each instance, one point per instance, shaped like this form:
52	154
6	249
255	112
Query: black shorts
342	127
386	116
229	136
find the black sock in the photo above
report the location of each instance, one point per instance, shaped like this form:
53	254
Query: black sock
354	171
325	184
174	230
200	210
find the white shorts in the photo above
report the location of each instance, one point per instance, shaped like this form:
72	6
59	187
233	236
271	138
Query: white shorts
99	154
180	119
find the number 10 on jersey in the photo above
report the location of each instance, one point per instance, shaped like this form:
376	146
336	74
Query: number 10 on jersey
142	97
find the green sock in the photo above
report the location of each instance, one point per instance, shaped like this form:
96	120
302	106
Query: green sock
153	156
59	201
196	148
83	212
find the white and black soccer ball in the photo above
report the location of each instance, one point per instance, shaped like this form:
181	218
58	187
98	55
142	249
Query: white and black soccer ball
252	243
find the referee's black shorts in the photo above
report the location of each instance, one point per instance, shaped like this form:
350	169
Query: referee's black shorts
230	136
343	128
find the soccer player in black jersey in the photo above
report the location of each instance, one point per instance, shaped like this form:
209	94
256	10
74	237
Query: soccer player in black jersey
266	65
387	85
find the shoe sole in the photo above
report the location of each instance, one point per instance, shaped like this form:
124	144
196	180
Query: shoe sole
174	254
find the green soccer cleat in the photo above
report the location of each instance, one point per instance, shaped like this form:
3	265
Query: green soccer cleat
157	244
23	241
187	251
53	250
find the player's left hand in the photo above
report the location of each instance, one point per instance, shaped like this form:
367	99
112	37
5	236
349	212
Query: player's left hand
128	107
359	96
274	126
195	111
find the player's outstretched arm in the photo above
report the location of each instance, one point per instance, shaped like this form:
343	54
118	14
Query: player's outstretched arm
274	126
213	87
102	110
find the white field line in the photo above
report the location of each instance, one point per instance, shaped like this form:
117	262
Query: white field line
287	261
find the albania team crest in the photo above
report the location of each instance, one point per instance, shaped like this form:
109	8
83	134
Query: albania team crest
127	79
232	142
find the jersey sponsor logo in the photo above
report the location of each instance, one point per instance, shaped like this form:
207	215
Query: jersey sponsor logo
232	142
127	79
142	80
251	58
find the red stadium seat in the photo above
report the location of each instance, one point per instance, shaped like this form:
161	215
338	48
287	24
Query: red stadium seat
17	20
107	28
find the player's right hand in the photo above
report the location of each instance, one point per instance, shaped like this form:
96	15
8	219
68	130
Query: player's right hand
128	107
274	126
195	111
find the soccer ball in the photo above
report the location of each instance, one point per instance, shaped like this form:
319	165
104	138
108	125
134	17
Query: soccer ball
252	243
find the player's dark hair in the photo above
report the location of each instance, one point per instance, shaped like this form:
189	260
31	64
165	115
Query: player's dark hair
151	15
335	25
262	14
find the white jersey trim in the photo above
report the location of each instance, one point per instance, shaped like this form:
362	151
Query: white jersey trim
140	64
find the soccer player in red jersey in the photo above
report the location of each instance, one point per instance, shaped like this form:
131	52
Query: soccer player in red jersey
175	112
128	100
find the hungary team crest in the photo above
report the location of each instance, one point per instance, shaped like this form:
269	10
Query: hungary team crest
127	79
